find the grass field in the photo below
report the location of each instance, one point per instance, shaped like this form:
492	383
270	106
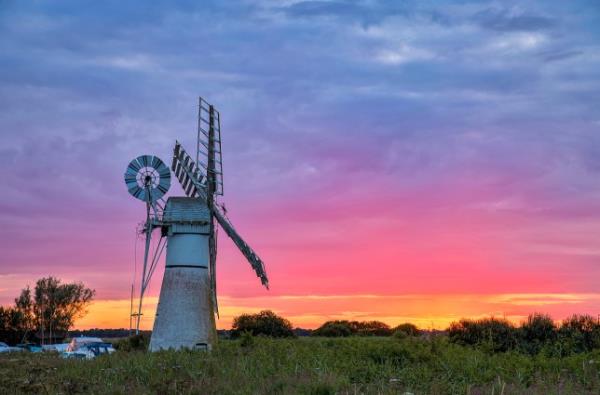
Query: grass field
307	366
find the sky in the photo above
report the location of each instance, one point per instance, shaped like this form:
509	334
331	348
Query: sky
417	161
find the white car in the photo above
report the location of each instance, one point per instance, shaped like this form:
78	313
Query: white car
6	348
89	350
60	347
78	342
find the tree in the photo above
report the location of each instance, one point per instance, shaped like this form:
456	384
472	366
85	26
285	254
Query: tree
371	328
334	329
264	323
407	329
347	328
579	333
53	307
24	305
538	330
12	325
494	334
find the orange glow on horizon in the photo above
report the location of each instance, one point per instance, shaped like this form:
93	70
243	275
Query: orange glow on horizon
310	311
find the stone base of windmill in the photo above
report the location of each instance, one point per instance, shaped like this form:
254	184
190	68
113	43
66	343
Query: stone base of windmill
184	317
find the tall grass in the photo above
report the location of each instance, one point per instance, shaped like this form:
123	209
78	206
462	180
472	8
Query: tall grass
308	366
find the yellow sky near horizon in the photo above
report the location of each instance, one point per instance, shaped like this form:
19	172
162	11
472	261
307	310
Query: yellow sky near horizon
309	311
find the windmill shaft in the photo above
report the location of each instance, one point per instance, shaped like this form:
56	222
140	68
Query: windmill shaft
142	287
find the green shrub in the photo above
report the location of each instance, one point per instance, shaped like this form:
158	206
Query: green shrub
579	333
265	323
333	329
246	339
536	332
371	328
133	343
492	334
348	328
322	389
407	329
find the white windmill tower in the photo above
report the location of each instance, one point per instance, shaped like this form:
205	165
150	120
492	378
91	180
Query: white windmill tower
188	298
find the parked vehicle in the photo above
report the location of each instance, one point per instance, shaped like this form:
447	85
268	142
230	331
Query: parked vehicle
30	347
60	347
89	350
6	348
78	342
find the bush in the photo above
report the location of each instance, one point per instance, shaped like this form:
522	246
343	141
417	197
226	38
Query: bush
579	333
349	328
264	323
246	339
333	329
372	328
134	343
492	334
538	331
407	329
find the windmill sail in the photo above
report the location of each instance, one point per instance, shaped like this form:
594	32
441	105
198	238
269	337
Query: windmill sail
209	156
185	170
256	263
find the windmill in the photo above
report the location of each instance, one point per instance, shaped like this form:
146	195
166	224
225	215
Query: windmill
185	316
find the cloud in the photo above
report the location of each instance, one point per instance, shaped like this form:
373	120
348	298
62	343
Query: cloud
552	56
510	20
367	13
449	147
404	54
318	8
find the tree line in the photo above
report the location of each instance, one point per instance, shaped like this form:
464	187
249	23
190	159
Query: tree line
45	313
267	323
537	334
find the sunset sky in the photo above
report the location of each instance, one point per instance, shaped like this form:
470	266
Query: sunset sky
400	161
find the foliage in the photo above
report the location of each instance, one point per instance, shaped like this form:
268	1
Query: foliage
364	365
348	328
372	328
49	311
579	333
334	329
246	339
54	306
134	343
493	334
12	325
407	329
265	323
536	332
